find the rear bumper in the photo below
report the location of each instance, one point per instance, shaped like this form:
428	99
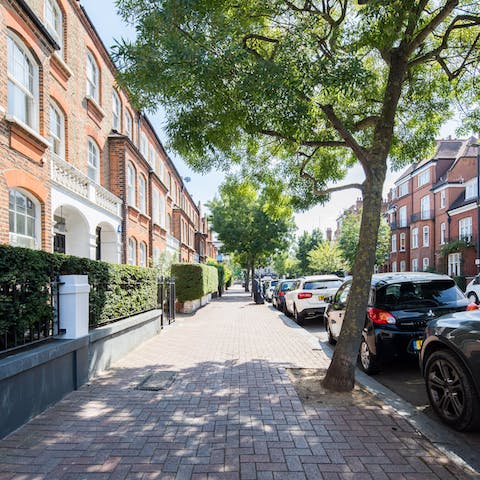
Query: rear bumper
313	312
391	344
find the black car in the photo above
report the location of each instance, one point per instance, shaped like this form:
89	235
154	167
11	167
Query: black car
278	296
399	307
450	363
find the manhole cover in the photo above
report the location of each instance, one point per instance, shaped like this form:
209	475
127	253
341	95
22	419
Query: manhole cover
157	381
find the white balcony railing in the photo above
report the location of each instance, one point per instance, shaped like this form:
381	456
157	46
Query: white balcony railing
77	182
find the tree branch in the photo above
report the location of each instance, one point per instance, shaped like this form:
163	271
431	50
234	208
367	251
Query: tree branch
305	143
367	122
254	36
346	135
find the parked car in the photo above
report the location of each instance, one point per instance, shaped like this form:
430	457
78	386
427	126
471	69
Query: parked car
278	296
269	288
399	307
307	296
473	290
450	363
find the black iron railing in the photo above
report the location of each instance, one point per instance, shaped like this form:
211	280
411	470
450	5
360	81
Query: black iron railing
28	314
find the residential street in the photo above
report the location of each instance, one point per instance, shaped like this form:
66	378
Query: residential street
230	413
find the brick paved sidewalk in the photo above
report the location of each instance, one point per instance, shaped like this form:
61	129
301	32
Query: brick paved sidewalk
231	413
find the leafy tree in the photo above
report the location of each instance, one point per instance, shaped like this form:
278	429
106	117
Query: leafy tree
249	222
299	91
285	264
307	242
326	257
349	236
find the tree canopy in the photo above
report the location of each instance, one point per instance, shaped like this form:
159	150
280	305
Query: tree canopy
326	258
305	243
300	90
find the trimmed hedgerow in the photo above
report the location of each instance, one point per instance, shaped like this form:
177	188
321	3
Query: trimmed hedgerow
194	280
117	291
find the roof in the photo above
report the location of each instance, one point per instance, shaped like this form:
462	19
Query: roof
394	277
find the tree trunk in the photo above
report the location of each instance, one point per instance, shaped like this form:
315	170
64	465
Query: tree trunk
247	280
252	269
341	372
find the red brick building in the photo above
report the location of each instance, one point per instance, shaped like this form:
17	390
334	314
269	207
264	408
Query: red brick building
432	212
82	171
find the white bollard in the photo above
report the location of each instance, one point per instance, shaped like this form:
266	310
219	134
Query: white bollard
73	305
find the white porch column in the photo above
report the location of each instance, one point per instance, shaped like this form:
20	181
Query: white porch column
73	305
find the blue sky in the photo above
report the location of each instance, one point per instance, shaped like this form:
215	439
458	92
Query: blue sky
203	187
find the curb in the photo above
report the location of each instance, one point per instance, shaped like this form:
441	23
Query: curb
438	434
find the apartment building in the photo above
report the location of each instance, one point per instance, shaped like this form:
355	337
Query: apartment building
81	170
432	211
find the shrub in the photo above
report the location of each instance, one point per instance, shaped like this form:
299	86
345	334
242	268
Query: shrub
194	280
116	290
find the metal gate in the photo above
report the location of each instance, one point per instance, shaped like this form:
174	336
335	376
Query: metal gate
166	299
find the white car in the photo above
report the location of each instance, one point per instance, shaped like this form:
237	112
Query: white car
307	296
473	290
270	287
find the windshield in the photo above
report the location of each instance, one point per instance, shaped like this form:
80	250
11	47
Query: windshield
322	284
286	285
433	293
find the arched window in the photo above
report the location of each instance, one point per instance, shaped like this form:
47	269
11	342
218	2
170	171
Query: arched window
116	111
129	125
142	194
93	78
24	219
54	22
132	251
93	161
57	131
143	254
131	180
23	83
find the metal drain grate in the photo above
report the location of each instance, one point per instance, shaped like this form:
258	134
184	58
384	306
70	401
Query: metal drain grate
157	381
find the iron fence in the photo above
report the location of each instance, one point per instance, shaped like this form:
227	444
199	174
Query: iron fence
166	299
28	314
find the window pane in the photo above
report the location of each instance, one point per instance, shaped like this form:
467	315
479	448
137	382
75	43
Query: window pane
20	224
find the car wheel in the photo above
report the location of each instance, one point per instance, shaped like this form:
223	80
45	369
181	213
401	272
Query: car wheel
451	391
284	309
472	297
367	360
331	338
297	316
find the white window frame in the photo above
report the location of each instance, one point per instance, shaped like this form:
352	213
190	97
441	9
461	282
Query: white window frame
425	263
57	131
414	237
116	111
22	83
131	184
403	189
394	266
423	178
443	198
426	236
93	78
23	239
402	243
443	233
54	22
132	251
156	206
93	161
425	207
454	264
162	210
465	228
142	260
144	145
402	216
403	266
142	193
414	264
151	156
128	124
471	188
394	243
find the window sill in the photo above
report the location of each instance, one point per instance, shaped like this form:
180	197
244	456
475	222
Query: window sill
60	69
26	140
94	110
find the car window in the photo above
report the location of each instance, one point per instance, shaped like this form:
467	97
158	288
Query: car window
431	293
321	284
342	294
286	286
273	283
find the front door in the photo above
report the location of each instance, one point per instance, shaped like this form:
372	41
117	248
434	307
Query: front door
59	243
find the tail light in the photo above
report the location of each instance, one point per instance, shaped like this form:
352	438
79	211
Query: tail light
302	295
380	317
281	294
472	306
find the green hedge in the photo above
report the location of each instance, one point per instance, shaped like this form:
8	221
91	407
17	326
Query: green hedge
194	280
116	290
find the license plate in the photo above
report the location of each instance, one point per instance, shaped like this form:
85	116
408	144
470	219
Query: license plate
321	298
417	345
